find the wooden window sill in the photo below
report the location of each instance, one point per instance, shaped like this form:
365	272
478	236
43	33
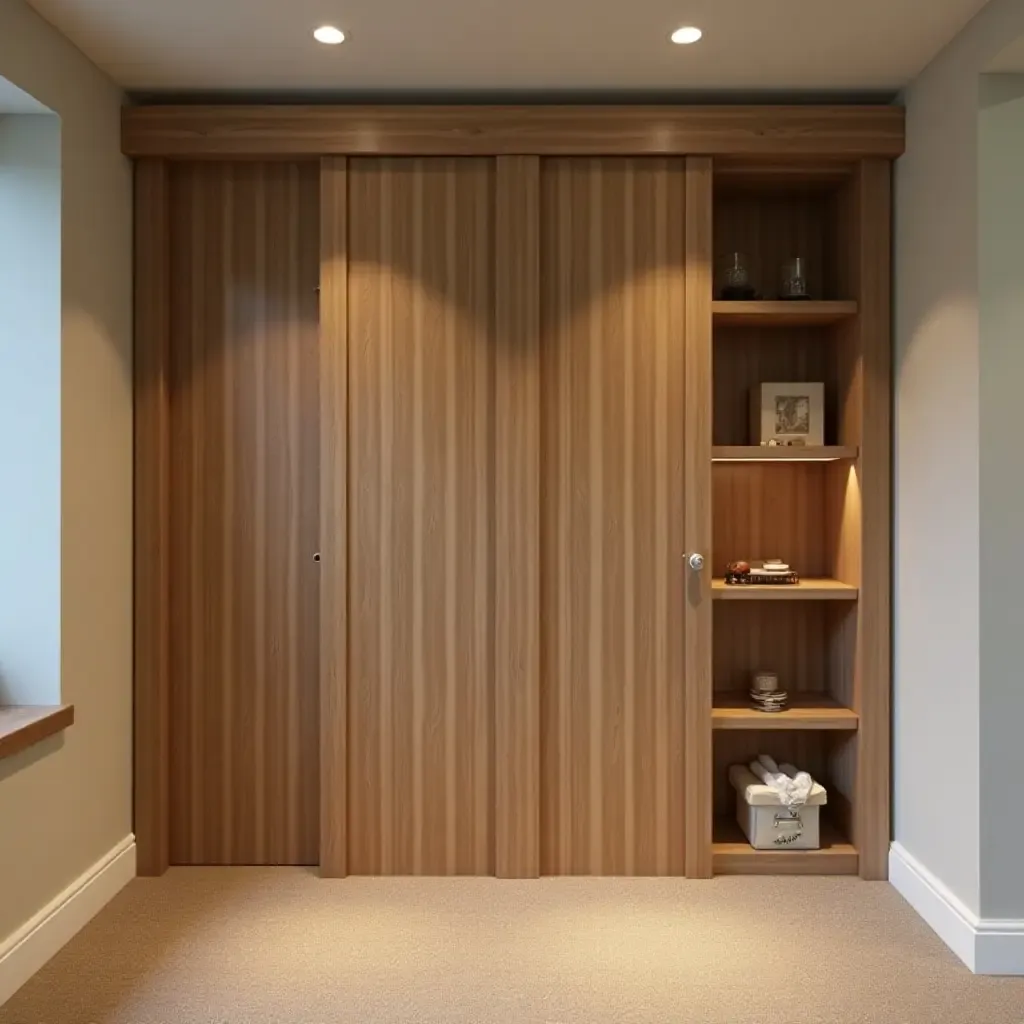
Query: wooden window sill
22	726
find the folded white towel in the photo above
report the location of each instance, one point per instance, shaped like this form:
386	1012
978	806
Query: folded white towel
793	789
802	784
762	773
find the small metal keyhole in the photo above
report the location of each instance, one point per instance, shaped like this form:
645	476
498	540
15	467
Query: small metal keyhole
316	556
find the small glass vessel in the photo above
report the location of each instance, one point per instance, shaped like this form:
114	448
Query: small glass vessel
735	278
794	279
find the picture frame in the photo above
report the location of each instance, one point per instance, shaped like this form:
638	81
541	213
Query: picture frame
788	413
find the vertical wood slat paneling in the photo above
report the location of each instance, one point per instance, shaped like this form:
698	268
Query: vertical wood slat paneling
421	505
697	615
152	518
244	504
612	302
517	509
771	511
333	369
792	638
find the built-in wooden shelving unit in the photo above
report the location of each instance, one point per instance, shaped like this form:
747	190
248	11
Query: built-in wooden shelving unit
762	453
805	711
601	397
824	510
781	314
808	589
733	855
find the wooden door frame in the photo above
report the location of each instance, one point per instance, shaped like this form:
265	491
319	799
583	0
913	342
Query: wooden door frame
152	471
773	136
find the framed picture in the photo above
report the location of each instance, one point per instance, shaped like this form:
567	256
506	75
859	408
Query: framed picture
792	413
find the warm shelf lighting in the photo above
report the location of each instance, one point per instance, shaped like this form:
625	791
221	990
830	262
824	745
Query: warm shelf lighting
686	35
764	453
329	34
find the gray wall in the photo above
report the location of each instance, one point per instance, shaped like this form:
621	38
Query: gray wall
1001	418
952	669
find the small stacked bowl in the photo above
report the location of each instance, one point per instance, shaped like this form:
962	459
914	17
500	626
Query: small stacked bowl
765	694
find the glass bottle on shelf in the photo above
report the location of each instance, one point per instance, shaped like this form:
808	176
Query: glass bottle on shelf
735	279
794	279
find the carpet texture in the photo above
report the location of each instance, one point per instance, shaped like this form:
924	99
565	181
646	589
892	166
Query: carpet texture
281	946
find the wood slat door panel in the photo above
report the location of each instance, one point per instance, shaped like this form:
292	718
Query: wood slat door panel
244	504
421	507
612	392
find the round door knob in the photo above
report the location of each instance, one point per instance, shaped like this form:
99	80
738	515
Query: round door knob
696	562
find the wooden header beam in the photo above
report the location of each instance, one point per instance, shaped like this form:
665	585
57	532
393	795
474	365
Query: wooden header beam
224	132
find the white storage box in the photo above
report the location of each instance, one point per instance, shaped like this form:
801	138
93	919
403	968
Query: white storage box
766	822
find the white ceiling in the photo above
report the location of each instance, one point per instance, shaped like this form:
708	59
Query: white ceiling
520	45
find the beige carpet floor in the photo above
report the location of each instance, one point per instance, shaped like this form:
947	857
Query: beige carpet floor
281	946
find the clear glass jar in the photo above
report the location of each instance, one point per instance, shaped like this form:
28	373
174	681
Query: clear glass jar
794	279
735	278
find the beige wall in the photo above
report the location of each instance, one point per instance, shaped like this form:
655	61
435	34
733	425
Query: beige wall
65	804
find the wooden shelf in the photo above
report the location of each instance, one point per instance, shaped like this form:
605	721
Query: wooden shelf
732	855
762	453
808	589
805	711
22	726
781	313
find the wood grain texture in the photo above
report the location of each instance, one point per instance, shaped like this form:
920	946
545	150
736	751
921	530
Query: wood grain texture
746	357
779	173
244	513
23	726
152	518
789	638
333	540
810	588
874	653
517	519
735	856
612	528
770	510
770	230
803	711
697	429
781	314
323	130
421	506
762	453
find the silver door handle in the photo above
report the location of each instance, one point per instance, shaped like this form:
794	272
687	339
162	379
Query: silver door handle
696	562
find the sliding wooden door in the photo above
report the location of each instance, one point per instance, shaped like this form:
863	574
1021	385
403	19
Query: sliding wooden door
612	458
244	443
421	515
501	517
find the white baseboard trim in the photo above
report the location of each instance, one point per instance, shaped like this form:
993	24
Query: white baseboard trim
986	945
42	936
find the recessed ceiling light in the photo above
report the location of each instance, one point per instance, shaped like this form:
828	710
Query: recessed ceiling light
329	34
687	34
